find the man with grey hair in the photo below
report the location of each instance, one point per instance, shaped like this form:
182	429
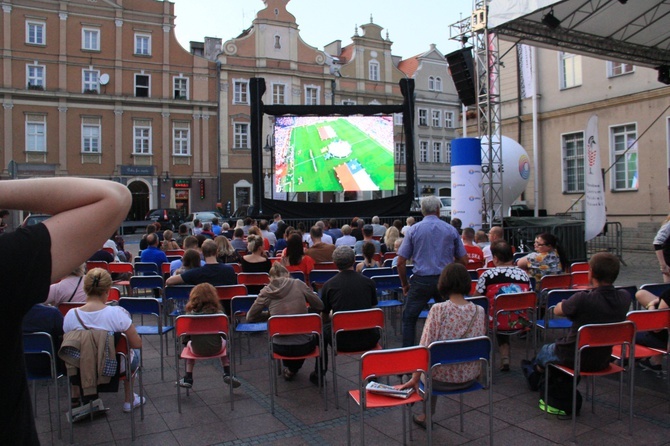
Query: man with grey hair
377	229
347	291
432	244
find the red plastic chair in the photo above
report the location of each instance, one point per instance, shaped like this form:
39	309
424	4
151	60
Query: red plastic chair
580	280
343	321
108	249
473	288
64	307
253	278
236	267
390	255
227	292
555	281
474	266
174	252
380	363
121	268
294	324
508	304
97	264
114	295
325	265
601	335
203	324
579	267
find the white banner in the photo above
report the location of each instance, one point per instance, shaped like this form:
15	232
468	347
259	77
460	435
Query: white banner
594	201
525	55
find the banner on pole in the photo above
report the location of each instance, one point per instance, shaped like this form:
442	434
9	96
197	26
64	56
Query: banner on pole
594	199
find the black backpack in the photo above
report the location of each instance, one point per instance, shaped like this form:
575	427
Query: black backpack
560	393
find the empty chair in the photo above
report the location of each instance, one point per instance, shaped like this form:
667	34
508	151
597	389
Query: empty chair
90	264
514	314
389	292
549	321
150	283
353	321
227	292
579	266
177	296
146	269
148	306
254	281
594	336
239	306
580	279
380	363
372	272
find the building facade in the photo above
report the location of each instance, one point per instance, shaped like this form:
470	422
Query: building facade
103	90
634	124
437	114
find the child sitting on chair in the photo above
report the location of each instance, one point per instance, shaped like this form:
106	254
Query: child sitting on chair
204	300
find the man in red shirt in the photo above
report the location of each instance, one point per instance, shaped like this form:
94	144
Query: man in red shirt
475	253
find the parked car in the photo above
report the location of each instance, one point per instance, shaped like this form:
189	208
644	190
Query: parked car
169	218
33	219
445	206
204	217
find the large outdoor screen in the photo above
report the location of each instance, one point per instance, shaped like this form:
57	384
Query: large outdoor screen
333	154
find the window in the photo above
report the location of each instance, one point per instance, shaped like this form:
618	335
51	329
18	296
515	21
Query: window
437	152
423	117
180	87
373	68
619	68
90	81
35	33
240	91
90	39
571	70
90	135
449	119
311	95
400	153
143	44
624	154
397	118
36	133
431	83
241	135
438	84
142	137
278	94
437	118
573	162
447	153
142	86
423	151
35	77
181	139
348	102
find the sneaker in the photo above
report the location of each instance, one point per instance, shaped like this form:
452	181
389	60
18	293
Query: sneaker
187	383
137	402
288	375
232	380
646	364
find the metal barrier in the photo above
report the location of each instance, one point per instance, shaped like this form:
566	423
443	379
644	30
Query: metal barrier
610	240
570	234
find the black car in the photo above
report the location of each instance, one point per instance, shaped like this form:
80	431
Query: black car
168	218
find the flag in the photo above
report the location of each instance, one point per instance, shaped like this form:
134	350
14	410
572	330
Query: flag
525	55
594	200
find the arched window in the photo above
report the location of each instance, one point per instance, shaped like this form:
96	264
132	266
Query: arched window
431	83
438	84
277	42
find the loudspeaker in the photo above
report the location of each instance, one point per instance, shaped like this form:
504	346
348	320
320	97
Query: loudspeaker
463	73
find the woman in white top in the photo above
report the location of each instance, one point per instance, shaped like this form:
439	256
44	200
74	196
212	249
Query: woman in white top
96	314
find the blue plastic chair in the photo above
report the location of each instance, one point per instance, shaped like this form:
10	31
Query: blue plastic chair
388	290
40	345
153	283
178	296
381	271
551	322
459	351
151	307
239	306
655	288
297	275
146	268
318	277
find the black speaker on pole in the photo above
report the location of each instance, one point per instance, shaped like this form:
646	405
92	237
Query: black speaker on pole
462	72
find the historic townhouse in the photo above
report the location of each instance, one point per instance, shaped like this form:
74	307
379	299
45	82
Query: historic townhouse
102	89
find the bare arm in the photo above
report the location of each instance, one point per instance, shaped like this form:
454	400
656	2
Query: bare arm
558	309
463	260
85	212
523	263
174	280
134	340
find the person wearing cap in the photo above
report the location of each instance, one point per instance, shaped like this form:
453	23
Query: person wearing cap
368	230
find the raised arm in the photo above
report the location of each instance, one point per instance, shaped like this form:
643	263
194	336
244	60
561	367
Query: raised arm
84	213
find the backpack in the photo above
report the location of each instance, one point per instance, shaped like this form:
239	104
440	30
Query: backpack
559	400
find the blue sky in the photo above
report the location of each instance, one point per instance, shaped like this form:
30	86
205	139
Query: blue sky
412	25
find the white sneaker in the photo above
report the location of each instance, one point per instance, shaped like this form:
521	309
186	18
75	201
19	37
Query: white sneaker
136	403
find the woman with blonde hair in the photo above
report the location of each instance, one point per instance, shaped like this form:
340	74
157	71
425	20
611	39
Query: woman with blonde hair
95	314
169	244
256	261
285	295
391	235
204	300
226	253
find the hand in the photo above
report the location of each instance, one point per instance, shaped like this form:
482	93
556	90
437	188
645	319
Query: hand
414	382
405	289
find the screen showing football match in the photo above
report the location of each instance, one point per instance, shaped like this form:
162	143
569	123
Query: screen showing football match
333	153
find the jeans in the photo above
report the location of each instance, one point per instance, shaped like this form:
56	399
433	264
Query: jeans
421	289
546	355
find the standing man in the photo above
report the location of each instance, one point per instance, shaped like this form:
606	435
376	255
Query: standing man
432	244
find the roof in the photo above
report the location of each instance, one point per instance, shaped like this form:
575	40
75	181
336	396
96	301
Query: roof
346	53
633	31
409	66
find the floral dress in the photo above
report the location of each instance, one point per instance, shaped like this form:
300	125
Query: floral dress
503	280
447	321
543	264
